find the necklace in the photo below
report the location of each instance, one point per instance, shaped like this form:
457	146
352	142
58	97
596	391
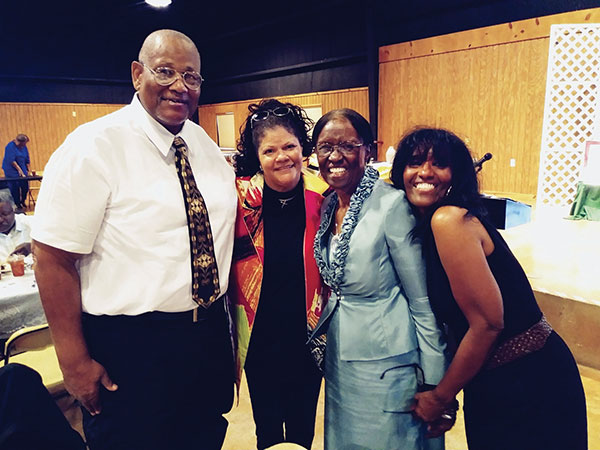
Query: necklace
284	201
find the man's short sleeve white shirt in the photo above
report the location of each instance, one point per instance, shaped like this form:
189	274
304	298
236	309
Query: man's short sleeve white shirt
111	192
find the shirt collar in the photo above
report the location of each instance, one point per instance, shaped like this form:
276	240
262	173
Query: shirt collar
158	134
17	227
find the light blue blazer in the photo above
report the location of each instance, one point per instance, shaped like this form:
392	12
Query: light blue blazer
382	299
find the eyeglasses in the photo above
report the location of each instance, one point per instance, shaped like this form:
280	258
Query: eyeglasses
166	76
345	148
262	115
406	406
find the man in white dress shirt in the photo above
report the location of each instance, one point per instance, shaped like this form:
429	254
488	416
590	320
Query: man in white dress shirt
151	369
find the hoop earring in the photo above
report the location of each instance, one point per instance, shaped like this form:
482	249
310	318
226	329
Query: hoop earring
448	191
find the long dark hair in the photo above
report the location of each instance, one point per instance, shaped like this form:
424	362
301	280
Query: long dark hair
261	118
450	151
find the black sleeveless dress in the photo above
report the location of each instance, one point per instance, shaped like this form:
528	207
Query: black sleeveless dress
534	402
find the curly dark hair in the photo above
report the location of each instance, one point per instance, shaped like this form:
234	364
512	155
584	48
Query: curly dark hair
450	151
296	122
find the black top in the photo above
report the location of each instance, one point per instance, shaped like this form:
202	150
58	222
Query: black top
521	310
280	324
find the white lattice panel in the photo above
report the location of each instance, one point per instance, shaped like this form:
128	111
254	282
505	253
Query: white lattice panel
571	111
574	52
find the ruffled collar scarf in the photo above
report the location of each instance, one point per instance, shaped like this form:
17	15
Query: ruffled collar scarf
333	274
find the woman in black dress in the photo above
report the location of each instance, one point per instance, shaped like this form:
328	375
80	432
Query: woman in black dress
522	388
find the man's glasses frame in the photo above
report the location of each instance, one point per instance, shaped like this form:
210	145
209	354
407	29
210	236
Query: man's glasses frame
324	149
165	76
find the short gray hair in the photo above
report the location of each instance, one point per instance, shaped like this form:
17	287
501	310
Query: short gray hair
6	197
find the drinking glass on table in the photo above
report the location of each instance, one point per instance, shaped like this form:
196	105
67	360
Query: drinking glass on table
17	265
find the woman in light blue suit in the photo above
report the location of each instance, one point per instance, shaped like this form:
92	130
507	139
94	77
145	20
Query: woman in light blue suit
383	342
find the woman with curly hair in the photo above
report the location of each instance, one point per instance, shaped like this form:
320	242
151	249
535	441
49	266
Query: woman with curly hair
276	284
522	389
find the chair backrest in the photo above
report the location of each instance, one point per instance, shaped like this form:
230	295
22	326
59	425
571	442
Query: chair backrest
27	339
33	347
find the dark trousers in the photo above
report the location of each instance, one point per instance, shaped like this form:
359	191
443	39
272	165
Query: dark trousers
284	398
18	190
29	417
175	380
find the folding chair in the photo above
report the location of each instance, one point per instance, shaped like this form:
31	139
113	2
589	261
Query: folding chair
30	199
33	347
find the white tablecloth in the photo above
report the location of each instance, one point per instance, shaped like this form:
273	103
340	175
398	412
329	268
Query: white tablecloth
20	304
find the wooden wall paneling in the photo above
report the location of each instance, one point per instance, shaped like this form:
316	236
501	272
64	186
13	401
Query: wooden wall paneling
52	121
534	104
494	103
391	111
356	99
516	69
477	94
487	85
39	150
205	113
46	124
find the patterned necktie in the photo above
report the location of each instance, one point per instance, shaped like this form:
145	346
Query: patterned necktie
205	275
